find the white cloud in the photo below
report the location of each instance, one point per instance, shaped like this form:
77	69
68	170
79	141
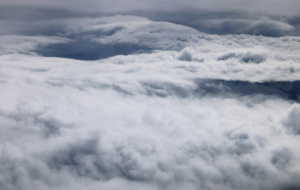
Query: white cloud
69	123
191	114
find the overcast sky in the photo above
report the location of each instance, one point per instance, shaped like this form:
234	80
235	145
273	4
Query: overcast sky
277	7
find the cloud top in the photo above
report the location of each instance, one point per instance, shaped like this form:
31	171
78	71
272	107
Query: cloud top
126	102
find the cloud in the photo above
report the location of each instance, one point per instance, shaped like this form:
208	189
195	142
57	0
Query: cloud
163	133
166	107
285	90
52	20
189	54
233	22
282	158
10	44
96	38
292	121
252	58
246	57
252	26
148	33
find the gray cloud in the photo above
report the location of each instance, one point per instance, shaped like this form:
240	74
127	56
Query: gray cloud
244	57
282	158
97	38
10	44
260	26
230	22
118	35
292	120
215	17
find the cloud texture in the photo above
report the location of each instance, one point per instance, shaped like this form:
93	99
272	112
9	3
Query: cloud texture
127	102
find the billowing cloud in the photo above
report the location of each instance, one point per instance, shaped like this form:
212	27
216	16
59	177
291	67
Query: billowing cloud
118	35
100	137
128	102
45	19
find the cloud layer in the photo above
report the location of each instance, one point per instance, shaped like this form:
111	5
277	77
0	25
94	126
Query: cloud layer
114	129
166	107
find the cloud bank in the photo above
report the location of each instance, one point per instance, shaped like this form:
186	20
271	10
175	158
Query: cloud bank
128	102
133	129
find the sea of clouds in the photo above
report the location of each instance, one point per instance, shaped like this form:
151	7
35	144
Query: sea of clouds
125	102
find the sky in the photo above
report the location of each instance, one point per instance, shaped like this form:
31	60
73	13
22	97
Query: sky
149	95
277	7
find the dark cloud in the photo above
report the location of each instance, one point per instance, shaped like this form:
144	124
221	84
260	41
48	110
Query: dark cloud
282	158
13	44
280	89
226	56
204	87
253	58
87	50
244	57
254	171
98	38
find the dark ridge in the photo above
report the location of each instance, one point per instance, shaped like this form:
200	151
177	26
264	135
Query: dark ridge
88	50
282	89
204	87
